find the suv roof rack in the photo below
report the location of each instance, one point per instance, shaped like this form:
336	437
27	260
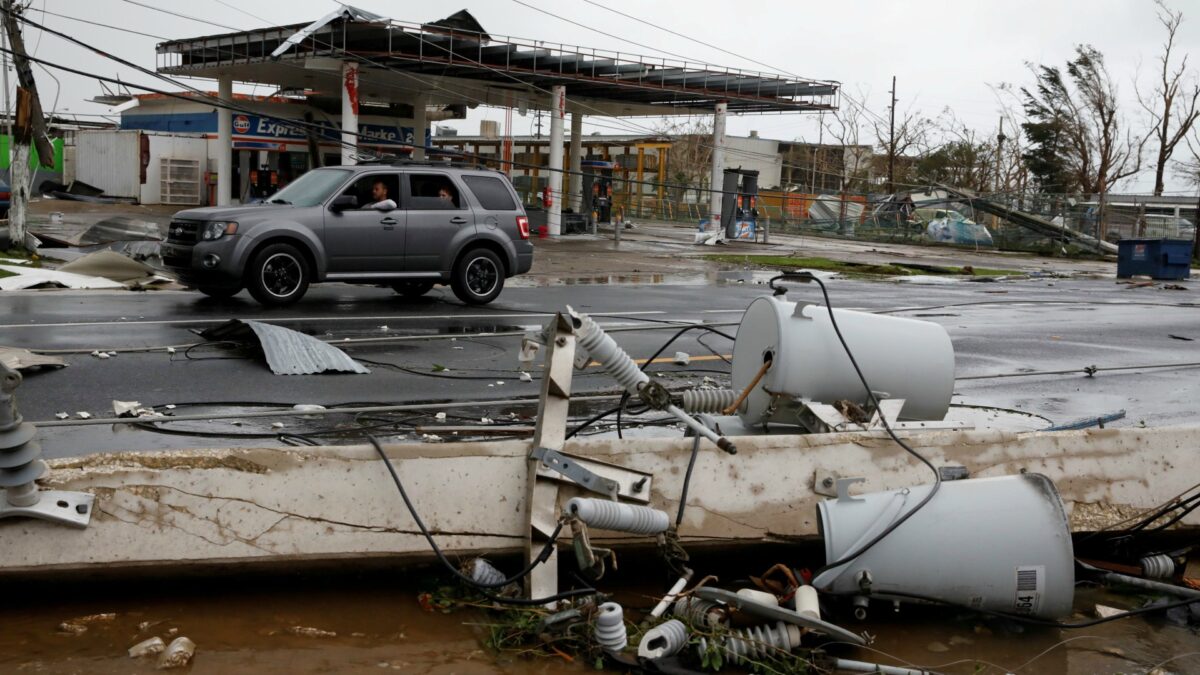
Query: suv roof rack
413	162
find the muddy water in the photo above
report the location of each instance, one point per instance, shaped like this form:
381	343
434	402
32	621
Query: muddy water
372	623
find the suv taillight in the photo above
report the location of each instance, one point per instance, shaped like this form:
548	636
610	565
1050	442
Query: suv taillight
523	226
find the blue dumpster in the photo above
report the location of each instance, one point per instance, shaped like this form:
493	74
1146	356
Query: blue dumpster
1154	258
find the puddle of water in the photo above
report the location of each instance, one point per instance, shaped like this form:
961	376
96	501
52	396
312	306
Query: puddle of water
684	279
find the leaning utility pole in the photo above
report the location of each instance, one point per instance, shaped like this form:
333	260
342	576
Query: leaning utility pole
30	128
892	141
1196	228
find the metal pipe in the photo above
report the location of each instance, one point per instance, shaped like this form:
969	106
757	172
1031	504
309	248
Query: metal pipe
864	667
1171	589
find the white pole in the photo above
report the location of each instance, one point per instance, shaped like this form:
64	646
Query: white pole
420	126
225	142
576	165
718	166
349	112
558	112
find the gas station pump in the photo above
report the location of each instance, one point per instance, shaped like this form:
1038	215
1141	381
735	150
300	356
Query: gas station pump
597	190
739	207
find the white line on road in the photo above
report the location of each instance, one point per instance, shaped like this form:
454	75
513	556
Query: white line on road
292	319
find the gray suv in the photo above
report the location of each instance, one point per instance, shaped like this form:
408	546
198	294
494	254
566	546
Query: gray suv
405	225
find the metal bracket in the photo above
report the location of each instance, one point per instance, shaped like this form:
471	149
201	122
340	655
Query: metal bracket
843	488
573	470
825	483
73	509
655	395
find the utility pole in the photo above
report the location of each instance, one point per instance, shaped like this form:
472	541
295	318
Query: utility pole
1000	138
30	128
892	141
1196	225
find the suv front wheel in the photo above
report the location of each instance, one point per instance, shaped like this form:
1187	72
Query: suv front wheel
278	275
479	277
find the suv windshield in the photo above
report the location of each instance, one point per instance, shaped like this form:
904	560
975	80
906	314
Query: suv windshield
312	188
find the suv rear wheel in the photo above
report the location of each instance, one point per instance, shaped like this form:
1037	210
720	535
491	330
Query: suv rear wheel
278	275
479	277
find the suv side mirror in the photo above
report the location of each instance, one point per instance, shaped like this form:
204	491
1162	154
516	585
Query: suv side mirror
343	203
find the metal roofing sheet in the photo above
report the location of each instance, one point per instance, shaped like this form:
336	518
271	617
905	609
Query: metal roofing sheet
288	352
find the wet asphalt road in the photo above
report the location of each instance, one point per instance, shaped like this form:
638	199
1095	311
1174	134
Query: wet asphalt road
997	328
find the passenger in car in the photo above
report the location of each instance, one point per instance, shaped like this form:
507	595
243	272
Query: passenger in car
446	194
379	197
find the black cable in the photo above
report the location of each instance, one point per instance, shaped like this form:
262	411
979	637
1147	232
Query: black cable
545	553
937	483
1034	620
687	479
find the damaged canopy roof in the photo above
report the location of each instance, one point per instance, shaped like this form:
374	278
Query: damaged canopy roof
288	352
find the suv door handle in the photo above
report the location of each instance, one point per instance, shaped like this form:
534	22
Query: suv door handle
458	220
388	221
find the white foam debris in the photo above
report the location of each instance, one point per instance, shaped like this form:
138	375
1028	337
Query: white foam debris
526	377
83	415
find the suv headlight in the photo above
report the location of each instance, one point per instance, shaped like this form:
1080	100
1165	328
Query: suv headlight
218	229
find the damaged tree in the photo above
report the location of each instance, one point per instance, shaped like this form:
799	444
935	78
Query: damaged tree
1078	140
1171	105
30	127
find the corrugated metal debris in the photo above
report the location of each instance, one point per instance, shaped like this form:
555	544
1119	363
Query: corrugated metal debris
288	352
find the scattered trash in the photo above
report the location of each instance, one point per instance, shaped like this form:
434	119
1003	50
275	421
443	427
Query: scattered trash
526	377
72	628
1180	337
154	645
24	278
307	407
1104	611
125	408
61	415
25	360
177	654
83	415
430	437
681	358
441	417
499	383
1174	287
287	352
170	350
383	328
309	632
100	354
276	425
485	420
116	267
170	406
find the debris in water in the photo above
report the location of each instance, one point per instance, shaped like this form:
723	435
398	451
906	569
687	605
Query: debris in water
1104	611
308	631
177	654
154	645
72	628
937	647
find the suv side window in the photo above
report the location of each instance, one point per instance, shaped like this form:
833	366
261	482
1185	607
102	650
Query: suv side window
433	192
373	190
492	193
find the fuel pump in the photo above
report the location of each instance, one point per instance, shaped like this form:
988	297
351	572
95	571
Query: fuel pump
739	207
597	190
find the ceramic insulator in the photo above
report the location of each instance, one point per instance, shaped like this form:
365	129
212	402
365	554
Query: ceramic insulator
610	627
708	400
757	642
700	612
485	574
608	515
20	454
1159	566
611	357
665	639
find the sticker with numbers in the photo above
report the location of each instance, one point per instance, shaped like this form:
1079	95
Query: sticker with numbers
1030	580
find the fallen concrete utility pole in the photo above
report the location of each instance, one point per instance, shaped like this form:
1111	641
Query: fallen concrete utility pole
1030	221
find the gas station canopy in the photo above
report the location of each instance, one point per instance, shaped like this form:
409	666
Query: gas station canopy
454	62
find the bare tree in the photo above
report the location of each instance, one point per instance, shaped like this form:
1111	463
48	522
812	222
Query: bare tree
1171	105
909	142
690	156
846	127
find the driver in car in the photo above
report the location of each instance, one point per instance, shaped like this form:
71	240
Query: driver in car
379	197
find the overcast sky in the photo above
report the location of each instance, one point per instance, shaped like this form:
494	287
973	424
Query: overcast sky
949	54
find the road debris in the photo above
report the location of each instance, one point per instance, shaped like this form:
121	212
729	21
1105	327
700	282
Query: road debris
26	278
681	359
287	352
177	654
526	377
309	632
25	360
84	415
151	647
116	267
